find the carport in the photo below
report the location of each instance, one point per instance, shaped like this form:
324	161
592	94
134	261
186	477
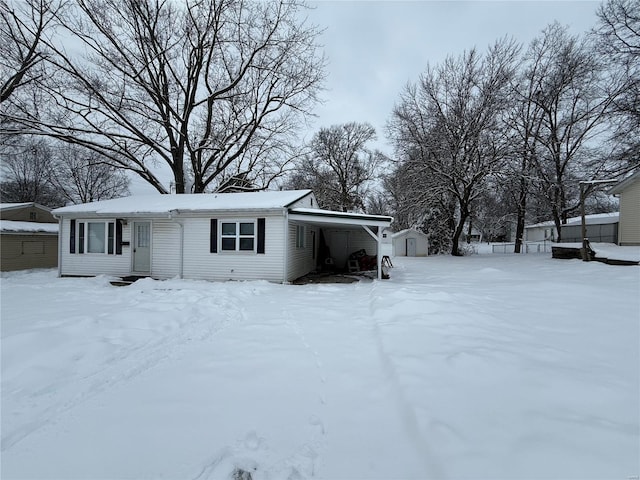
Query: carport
337	226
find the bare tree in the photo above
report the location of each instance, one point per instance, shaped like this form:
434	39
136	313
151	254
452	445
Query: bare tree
23	25
450	125
618	41
340	166
210	88
82	176
25	173
570	93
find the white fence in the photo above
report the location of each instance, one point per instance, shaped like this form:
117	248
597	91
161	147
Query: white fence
528	247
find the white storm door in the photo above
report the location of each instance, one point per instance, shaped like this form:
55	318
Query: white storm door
142	247
411	247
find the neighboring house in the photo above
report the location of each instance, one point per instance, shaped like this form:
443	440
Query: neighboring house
410	243
628	191
28	237
275	236
540	232
601	227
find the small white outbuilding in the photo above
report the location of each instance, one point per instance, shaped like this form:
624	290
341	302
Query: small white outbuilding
410	243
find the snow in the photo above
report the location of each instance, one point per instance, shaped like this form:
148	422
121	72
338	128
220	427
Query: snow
478	367
594	219
333	213
608	250
10	206
165	204
14	226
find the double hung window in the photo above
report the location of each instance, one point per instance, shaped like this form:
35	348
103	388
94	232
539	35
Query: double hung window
237	236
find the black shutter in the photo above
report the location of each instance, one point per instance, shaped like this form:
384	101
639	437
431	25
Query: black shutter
213	236
118	237
81	237
261	235
72	237
111	237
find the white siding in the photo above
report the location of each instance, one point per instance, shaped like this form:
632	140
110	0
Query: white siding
89	264
400	244
361	240
301	260
309	201
342	243
165	253
629	233
199	263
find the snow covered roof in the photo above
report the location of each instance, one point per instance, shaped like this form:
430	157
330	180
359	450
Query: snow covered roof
13	206
595	219
165	204
407	230
346	215
11	226
623	184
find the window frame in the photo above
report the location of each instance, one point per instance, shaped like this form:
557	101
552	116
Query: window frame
300	236
238	236
82	237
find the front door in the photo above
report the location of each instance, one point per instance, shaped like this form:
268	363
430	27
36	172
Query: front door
411	247
142	247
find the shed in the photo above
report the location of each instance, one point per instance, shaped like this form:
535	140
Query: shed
410	243
628	192
28	237
276	236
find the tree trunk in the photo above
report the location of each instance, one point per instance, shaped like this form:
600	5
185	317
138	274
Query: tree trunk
522	208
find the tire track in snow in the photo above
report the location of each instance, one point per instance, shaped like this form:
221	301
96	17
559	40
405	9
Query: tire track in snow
136	360
407	411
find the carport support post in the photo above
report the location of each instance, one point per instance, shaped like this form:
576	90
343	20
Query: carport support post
378	239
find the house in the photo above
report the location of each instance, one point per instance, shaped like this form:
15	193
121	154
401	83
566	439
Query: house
601	227
410	243
28	237
275	236
628	192
541	232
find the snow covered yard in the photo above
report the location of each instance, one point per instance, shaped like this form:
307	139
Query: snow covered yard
480	367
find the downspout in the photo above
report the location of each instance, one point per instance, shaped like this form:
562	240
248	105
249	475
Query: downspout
60	221
285	262
181	263
379	255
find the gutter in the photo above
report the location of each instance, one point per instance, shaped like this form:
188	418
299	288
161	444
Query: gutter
60	242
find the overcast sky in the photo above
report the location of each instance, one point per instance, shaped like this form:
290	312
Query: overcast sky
375	47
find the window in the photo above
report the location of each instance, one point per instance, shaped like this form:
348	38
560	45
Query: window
32	216
96	241
299	236
237	236
95	237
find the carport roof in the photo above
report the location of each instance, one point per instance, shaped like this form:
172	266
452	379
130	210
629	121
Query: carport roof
317	215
